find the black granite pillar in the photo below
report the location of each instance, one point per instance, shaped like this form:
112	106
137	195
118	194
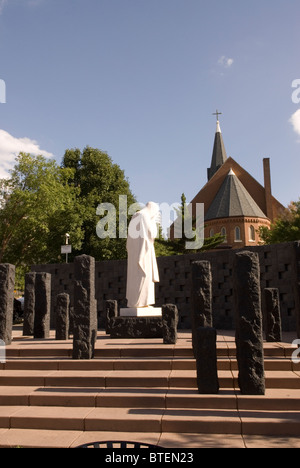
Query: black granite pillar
85	308
62	309
272	315
206	359
170	317
249	329
42	305
111	308
29	304
201	296
7	283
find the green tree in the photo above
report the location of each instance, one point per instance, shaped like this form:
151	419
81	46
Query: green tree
284	229
100	181
37	207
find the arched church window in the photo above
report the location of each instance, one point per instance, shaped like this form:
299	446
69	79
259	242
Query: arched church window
237	234
252	233
211	233
224	233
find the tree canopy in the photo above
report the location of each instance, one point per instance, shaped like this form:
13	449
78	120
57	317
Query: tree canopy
284	229
100	181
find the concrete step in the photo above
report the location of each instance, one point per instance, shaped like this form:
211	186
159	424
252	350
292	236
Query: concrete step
141	388
134	378
275	399
271	364
149	420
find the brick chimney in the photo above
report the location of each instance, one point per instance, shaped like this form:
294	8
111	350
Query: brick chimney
268	190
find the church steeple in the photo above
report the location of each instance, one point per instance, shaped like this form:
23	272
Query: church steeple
219	155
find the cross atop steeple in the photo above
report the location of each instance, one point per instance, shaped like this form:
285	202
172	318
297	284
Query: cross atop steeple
219	153
217	113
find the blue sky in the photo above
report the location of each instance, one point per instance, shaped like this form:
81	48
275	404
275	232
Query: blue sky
140	79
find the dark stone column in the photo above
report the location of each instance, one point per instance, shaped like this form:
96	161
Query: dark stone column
249	330
297	285
272	315
111	308
206	359
42	305
29	304
170	319
85	309
62	309
201	296
7	283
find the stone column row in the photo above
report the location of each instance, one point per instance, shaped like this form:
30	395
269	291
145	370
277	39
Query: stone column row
37	304
249	325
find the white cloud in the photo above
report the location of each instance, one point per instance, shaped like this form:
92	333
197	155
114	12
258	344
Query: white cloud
2	5
10	147
225	61
295	121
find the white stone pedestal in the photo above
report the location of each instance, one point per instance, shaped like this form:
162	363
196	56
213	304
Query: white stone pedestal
141	312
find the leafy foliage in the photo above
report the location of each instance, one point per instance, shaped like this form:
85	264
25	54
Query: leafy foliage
37	207
284	229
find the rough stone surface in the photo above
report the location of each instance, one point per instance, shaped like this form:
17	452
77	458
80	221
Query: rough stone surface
85	308
7	283
272	315
29	304
136	327
170	319
111	308
249	329
206	359
201	296
42	305
297	285
62	313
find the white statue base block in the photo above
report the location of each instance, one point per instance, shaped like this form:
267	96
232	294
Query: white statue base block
141	312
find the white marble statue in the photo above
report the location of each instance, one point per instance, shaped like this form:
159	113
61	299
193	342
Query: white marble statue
142	271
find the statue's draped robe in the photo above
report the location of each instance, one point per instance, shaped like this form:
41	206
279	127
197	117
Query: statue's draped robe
142	271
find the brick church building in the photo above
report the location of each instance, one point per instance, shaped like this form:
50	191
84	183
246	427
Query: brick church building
235	204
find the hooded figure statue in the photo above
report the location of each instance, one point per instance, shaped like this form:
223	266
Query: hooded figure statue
142	271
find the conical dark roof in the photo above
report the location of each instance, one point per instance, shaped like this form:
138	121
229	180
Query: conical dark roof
233	200
219	155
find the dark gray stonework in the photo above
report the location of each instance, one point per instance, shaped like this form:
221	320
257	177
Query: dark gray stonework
111	311
85	308
136	327
249	329
201	296
170	318
7	283
29	304
62	314
279	268
42	305
272	316
206	359
297	285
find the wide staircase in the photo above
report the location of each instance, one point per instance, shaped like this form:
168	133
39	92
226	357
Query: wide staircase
142	391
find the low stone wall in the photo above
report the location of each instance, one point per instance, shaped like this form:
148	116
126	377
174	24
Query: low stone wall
279	268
